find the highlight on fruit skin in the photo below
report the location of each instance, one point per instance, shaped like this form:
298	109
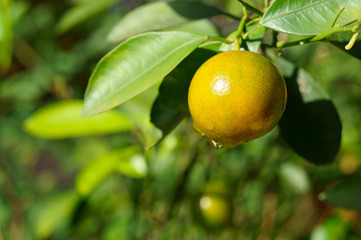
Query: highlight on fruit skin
236	96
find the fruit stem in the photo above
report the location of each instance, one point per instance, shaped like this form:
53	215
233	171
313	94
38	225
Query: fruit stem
240	31
246	34
220	39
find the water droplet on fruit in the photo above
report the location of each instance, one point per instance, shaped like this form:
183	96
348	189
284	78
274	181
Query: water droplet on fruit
216	145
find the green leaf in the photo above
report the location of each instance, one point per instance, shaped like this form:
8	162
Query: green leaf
171	106
134	66
346	194
119	160
224	47
6	35
54	213
201	27
137	110
256	33
310	124
309	17
173	92
233	7
63	120
260	4
164	118
212	46
82	12
159	15
340	40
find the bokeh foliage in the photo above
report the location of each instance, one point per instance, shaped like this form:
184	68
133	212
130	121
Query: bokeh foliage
63	176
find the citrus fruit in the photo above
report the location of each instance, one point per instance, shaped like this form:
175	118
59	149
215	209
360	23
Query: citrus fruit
236	96
215	210
213	206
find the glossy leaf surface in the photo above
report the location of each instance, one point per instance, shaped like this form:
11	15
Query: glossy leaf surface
310	124
309	17
202	27
134	66
63	120
159	15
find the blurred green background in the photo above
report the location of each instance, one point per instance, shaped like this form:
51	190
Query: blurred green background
76	187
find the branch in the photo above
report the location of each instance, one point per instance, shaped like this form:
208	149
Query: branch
240	31
337	16
322	36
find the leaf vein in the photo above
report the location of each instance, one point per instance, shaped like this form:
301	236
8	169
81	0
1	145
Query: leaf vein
294	11
147	70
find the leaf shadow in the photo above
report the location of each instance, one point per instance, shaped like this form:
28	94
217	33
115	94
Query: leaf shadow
195	12
312	129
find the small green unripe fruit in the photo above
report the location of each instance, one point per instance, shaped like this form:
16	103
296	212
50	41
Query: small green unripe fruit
213	207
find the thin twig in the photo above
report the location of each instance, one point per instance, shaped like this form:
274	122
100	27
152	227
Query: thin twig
240	29
337	16
321	36
218	39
